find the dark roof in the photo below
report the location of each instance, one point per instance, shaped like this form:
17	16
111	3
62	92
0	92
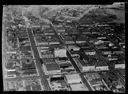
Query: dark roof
52	66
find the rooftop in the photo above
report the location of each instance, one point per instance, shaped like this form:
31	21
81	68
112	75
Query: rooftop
72	76
52	66
60	53
78	87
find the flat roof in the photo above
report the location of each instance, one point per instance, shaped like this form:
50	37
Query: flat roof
78	87
72	76
60	52
86	63
52	66
101	63
65	64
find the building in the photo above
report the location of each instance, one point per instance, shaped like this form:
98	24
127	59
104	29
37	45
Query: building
73	78
51	68
78	87
57	82
41	40
66	66
85	65
53	40
45	52
60	52
101	66
68	39
74	47
90	52
96	82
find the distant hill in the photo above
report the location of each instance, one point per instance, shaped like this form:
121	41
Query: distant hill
91	14
104	14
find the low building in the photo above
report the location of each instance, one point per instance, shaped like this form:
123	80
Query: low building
84	65
45	53
78	87
91	52
73	78
53	40
60	52
96	82
68	39
11	52
57	82
65	66
45	26
74	47
41	40
101	66
51	68
120	64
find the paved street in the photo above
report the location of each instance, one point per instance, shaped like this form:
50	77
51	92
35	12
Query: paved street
38	63
3	54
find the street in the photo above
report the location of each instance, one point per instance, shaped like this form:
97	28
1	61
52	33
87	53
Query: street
38	63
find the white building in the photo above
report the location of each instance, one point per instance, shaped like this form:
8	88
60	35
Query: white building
84	65
90	53
75	48
120	66
73	78
78	87
60	52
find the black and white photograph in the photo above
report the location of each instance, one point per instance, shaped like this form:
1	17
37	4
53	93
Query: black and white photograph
64	47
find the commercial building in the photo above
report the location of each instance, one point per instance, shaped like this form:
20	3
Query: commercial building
45	53
85	65
57	82
96	82
73	47
101	66
41	40
50	67
58	52
78	87
65	66
15	86
73	78
53	39
33	85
